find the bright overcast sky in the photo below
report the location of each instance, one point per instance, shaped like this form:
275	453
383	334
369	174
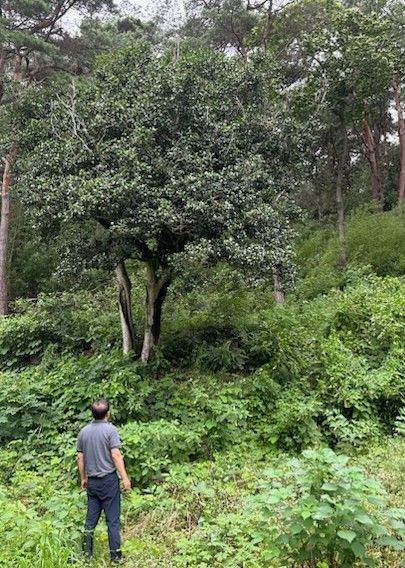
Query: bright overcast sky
141	8
147	9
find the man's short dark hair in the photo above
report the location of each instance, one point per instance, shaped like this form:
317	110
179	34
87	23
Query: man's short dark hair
100	408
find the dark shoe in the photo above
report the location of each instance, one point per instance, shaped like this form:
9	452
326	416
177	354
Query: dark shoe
88	544
116	557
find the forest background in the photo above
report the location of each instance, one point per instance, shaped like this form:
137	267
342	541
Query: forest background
202	220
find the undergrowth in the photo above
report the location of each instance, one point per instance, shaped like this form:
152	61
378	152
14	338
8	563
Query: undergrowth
209	442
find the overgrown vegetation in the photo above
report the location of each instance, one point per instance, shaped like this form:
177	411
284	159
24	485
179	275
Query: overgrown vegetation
202	221
328	371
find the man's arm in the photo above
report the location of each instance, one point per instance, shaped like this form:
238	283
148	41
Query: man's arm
120	467
80	465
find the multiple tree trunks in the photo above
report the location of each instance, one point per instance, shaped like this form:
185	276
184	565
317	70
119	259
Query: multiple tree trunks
157	284
125	307
371	143
401	136
4	229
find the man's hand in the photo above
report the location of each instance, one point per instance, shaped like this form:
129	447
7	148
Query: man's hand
83	484
120	467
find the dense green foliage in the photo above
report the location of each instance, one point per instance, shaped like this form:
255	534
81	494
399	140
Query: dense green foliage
331	367
150	163
318	251
314	512
328	370
248	166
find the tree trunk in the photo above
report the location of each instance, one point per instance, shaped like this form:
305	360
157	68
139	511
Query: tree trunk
401	136
268	27
4	229
372	155
2	67
124	300
278	290
18	68
156	291
339	197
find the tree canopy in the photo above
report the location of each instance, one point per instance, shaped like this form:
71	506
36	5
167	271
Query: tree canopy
172	156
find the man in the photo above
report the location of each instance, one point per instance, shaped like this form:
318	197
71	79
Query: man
99	460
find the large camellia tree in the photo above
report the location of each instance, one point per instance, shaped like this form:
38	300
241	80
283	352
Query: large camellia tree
165	159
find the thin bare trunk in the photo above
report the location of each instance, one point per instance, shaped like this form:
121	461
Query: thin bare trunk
124	300
2	67
18	68
268	26
278	290
4	229
243	51
372	155
157	285
339	197
401	136
384	158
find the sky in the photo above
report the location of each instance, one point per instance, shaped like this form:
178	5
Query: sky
144	9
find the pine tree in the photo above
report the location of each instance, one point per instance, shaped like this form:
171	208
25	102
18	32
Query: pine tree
31	35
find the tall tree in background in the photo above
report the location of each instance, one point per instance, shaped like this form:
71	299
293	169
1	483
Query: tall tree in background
392	15
225	25
401	136
97	35
342	61
396	17
235	26
30	39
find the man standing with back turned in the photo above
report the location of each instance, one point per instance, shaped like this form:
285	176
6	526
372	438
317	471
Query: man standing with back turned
99	460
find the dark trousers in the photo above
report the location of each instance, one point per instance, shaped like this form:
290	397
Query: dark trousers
103	494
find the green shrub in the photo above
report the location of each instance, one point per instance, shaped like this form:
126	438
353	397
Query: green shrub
55	396
313	512
69	322
223	357
376	239
150	448
228	542
334	371
292	424
213	348
373	240
340	361
211	326
317	262
328	512
23	339
47	540
215	406
385	461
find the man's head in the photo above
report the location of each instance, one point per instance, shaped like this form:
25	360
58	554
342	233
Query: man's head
99	409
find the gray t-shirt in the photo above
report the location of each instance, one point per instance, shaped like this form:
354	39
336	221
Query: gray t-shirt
96	440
